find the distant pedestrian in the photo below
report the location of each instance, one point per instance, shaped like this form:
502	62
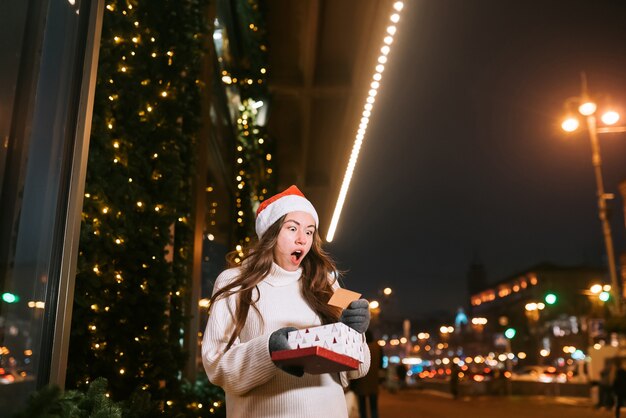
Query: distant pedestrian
619	388
366	388
391	380
401	373
605	396
454	381
497	383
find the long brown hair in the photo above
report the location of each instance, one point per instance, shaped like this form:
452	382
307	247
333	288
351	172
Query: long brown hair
317	268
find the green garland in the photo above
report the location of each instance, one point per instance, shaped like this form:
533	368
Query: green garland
52	402
254	177
134	256
245	76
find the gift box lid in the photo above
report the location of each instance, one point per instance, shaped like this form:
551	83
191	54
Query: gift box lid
315	360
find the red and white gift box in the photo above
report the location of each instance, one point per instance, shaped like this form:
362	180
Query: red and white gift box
336	337
323	349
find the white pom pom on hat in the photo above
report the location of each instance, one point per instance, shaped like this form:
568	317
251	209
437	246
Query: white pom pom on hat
290	200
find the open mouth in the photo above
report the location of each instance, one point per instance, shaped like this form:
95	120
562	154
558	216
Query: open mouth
296	256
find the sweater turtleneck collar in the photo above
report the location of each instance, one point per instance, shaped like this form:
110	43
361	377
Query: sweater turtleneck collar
281	277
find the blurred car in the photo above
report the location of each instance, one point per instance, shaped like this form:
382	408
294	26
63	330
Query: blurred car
545	374
559	376
478	374
8	377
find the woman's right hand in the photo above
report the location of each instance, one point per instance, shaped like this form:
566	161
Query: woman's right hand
278	341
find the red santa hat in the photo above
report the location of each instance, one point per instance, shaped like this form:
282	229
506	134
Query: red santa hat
290	200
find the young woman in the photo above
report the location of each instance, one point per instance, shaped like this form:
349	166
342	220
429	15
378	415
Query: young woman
283	284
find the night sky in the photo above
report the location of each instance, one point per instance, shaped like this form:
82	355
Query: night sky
464	157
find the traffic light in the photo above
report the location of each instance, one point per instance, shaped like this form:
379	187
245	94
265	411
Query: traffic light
550	299
604	296
10	297
510	333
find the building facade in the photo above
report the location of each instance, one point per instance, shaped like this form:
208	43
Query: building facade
549	308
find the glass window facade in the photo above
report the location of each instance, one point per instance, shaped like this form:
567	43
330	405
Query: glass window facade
46	48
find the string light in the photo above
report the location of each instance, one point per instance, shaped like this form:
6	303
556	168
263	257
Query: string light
367	108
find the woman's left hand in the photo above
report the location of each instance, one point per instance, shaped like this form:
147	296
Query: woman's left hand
357	315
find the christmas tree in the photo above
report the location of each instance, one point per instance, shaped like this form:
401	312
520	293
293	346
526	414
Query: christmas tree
135	250
134	254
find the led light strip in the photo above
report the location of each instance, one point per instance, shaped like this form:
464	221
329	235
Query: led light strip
367	111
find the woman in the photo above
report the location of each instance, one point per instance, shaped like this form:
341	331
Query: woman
284	283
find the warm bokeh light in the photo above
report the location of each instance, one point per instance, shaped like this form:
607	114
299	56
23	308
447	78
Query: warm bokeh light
411	361
570	124
587	108
446	329
387	291
596	288
610	118
479	321
374	304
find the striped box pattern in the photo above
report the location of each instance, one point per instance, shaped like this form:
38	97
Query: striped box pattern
336	337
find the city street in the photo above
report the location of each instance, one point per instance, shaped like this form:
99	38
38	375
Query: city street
419	404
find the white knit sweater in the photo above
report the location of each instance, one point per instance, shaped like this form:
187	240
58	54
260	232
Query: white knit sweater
254	386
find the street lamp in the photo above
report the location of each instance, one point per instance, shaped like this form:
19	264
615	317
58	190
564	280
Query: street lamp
600	291
587	108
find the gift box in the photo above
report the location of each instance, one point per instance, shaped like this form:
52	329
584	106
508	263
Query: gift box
323	349
336	337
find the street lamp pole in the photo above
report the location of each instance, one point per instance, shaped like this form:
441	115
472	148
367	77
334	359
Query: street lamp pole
587	108
602	209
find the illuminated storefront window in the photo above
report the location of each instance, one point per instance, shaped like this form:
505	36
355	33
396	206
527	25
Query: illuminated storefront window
44	116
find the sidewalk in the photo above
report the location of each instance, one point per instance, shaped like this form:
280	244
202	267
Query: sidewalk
570	400
563	400
416	403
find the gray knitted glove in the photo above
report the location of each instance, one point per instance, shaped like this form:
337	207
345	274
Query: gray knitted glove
278	342
357	315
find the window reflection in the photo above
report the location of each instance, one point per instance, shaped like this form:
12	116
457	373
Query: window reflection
42	51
